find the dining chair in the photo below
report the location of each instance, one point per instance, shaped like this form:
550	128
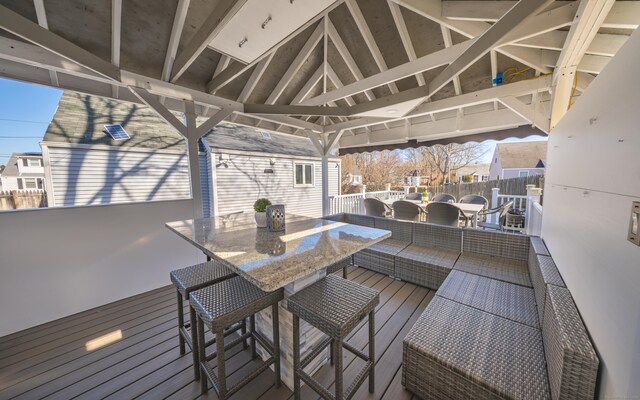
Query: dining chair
413	196
444	214
444	198
407	210
376	208
474	199
502	212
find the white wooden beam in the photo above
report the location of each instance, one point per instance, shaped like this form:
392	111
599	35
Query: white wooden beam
255	77
309	85
528	112
337	82
32	32
361	23
116	31
163	112
401	25
41	14
219	17
602	44
296	64
623	14
174	39
590	16
446	36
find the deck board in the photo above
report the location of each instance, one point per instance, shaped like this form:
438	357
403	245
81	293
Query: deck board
51	361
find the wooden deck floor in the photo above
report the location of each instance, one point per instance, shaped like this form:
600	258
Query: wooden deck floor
51	361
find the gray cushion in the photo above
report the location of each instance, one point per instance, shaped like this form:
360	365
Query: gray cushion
504	269
543	272
431	235
498	244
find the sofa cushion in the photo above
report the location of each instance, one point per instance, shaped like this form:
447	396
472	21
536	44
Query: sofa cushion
572	362
537	246
497	244
456	351
514	302
431	235
543	272
357	219
380	256
503	269
425	266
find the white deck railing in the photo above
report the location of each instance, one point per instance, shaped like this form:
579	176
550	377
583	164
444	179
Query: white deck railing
534	218
354	203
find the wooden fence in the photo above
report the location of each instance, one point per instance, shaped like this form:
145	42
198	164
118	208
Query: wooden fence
513	186
14	200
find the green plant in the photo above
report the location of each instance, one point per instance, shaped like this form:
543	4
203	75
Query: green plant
261	205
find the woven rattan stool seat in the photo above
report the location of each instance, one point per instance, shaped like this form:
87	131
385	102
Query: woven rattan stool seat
188	279
334	305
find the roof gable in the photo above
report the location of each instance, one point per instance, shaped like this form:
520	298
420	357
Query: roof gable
11	169
523	154
81	119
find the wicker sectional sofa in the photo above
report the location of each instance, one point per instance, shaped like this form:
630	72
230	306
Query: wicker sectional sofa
502	324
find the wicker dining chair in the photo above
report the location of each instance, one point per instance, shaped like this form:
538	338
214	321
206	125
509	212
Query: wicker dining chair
474	199
376	208
502	217
407	211
413	196
444	198
444	214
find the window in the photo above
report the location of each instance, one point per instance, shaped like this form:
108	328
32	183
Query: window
475	178
303	174
117	132
485	178
523	174
496	160
29	183
33	162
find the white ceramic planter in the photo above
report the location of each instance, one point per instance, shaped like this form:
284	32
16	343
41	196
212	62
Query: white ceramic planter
261	219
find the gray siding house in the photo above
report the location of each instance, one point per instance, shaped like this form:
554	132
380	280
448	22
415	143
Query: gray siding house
85	164
515	160
23	171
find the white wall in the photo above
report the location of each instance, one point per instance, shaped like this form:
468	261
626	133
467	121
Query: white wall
593	175
60	261
509	173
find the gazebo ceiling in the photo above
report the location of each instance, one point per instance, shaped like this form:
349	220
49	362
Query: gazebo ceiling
365	72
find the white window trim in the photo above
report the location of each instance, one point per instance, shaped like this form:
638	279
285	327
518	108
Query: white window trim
523	172
36	160
24	184
313	174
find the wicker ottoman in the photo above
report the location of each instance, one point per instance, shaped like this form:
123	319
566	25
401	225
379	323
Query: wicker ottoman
425	266
381	256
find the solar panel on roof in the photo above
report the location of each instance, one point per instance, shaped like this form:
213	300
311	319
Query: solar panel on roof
117	132
266	135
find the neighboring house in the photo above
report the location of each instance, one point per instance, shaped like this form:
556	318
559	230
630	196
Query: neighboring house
145	160
514	160
415	179
24	171
473	173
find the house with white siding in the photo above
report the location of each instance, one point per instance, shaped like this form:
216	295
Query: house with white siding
517	160
102	151
24	171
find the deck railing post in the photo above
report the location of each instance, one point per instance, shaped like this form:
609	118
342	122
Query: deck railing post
387	188
533	196
364	195
495	192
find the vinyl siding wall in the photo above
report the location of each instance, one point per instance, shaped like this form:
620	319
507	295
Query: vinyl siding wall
515	173
91	176
244	181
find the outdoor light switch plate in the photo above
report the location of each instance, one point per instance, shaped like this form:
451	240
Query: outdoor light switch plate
634	224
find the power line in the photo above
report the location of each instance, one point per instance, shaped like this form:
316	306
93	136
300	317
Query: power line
20	137
24	121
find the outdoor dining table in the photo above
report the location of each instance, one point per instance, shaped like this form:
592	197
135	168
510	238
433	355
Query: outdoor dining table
469	210
291	259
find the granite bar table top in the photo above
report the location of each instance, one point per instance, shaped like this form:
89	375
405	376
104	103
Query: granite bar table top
271	260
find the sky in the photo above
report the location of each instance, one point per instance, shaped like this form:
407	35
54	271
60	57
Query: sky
25	112
27	109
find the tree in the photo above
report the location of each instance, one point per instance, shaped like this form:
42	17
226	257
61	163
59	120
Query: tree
376	169
446	159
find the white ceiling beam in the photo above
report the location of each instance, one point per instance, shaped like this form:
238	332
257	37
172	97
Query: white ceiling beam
296	64
601	45
116	33
441	128
337	82
255	77
361	23
529	112
347	57
516	89
287	109
446	36
550	58
309	85
478	48
34	33
41	14
174	39
401	25
219	17
623	14
163	112
590	16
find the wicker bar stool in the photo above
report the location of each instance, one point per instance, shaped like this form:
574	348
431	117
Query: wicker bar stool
222	305
187	280
335	306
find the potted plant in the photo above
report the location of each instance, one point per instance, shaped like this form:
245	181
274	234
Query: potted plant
260	207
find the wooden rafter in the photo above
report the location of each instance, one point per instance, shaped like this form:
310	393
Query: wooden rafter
41	14
174	38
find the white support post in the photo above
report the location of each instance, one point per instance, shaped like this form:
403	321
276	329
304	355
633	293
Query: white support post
364	193
387	188
325	185
533	196
406	190
494	203
194	162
